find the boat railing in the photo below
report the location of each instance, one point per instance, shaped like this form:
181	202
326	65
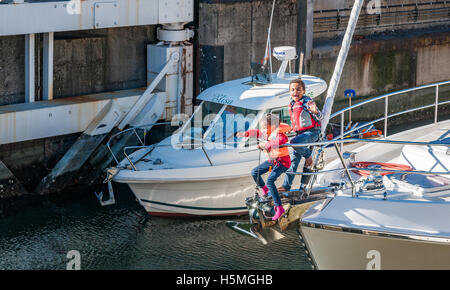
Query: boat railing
152	146
145	130
347	169
386	115
339	139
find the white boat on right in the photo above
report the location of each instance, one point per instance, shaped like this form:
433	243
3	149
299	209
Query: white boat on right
390	207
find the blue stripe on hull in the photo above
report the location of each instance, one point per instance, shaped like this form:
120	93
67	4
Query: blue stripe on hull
194	207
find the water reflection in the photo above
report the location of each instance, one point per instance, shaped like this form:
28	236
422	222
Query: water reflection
122	236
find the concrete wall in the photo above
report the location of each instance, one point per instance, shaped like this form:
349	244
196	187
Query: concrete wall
331	16
84	62
241	29
382	58
381	64
12	70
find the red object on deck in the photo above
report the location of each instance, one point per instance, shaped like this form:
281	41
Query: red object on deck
386	166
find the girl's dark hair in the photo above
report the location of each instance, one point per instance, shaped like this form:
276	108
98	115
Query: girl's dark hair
297	81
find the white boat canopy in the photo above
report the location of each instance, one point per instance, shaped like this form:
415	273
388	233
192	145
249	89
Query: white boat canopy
245	94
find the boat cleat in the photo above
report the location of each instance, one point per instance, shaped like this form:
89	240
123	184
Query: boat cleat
374	182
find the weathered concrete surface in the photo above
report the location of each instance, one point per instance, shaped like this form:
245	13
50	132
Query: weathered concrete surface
331	17
101	60
12	70
381	64
85	62
30	161
64	171
241	28
10	186
382	58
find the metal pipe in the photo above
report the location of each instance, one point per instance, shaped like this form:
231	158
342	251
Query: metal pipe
390	94
129	160
267	54
350	140
371	170
347	172
143	100
382	141
386	108
342	130
108	144
436	105
334	82
390	116
29	68
47	93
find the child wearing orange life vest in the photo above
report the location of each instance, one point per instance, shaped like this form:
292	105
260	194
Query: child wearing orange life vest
279	160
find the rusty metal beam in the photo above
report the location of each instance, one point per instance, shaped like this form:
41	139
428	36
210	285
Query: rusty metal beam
30	121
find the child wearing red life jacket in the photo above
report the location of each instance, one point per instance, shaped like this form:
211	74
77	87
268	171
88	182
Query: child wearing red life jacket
305	121
279	160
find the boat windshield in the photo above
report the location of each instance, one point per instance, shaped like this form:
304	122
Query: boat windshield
201	119
232	120
218	123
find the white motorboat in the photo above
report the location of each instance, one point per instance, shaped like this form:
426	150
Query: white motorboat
203	168
396	221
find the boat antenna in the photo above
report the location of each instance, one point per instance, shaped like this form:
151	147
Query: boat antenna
334	82
267	54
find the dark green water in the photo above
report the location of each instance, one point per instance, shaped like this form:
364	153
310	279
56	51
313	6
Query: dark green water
123	236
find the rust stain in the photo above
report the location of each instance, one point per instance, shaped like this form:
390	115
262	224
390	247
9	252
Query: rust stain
183	80
367	59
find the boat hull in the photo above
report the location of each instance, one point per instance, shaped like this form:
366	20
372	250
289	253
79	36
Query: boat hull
340	250
205	198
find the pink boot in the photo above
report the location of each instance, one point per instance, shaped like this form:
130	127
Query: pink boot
265	190
279	211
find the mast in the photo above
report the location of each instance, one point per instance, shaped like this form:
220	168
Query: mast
334	82
267	53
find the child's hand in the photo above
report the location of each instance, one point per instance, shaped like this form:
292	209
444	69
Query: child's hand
261	146
312	107
240	134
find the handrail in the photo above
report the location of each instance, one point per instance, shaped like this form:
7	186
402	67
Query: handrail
350	140
347	169
371	170
387	95
339	139
386	116
143	127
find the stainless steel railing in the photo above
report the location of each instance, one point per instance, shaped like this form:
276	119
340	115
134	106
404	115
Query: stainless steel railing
339	139
135	131
348	169
386	116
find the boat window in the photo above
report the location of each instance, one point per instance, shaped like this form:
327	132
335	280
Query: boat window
201	119
232	120
283	113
